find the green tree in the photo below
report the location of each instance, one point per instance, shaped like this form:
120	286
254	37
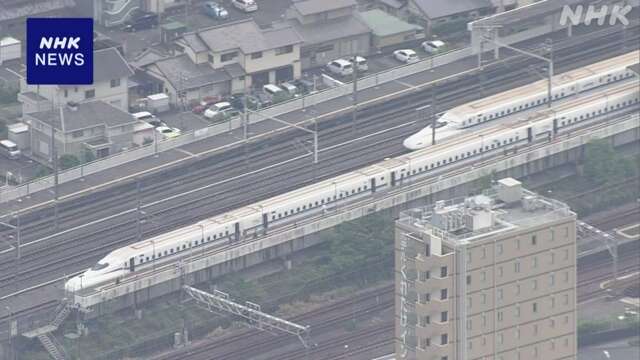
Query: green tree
602	164
3	129
88	156
8	94
68	161
42	171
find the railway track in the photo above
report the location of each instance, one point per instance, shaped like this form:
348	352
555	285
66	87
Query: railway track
38	260
590	275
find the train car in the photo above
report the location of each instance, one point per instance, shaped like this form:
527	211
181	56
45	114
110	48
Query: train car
525	97
327	195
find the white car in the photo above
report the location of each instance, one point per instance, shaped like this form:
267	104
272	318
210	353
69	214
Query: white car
245	5
362	63
217	108
340	67
406	56
168	132
433	47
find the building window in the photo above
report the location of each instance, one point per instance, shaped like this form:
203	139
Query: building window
284	50
500	316
115	83
444	339
444	294
424	275
89	94
427	250
228	56
468	279
517	266
256	55
425	320
443	272
425	343
66	92
534	307
500	249
444	316
210	58
534	240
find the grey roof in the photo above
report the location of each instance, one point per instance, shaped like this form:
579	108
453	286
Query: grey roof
194	42
16	9
307	7
321	32
87	115
147	57
440	8
109	64
34	96
234	70
396	4
246	36
383	24
183	73
635	68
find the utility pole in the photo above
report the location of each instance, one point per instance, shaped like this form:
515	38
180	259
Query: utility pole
549	44
159	19
354	119
54	159
138	212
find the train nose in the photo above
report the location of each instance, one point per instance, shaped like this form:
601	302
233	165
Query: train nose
72	284
412	143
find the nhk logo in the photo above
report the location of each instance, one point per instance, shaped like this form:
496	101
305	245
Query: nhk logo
60	51
577	15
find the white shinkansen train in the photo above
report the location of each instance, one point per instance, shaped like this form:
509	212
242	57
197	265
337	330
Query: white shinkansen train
525	97
315	199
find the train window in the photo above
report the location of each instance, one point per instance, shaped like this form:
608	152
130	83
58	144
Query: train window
478	121
298	209
359	189
196	242
438	163
209	238
226	232
147	258
171	251
353	191
456	157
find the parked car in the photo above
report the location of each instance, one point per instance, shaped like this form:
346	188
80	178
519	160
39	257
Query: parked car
434	47
237	102
215	10
156	123
205	103
340	67
9	149
362	63
406	56
245	5
143	115
141	21
216	109
289	88
168	132
305	86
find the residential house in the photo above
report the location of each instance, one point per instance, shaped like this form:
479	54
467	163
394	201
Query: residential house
329	29
389	32
445	16
110	84
95	126
228	58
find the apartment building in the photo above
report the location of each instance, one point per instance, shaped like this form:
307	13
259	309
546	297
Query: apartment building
487	277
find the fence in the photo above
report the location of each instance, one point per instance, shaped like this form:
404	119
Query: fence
235	123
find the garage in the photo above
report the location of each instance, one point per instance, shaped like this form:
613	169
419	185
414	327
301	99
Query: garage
284	74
